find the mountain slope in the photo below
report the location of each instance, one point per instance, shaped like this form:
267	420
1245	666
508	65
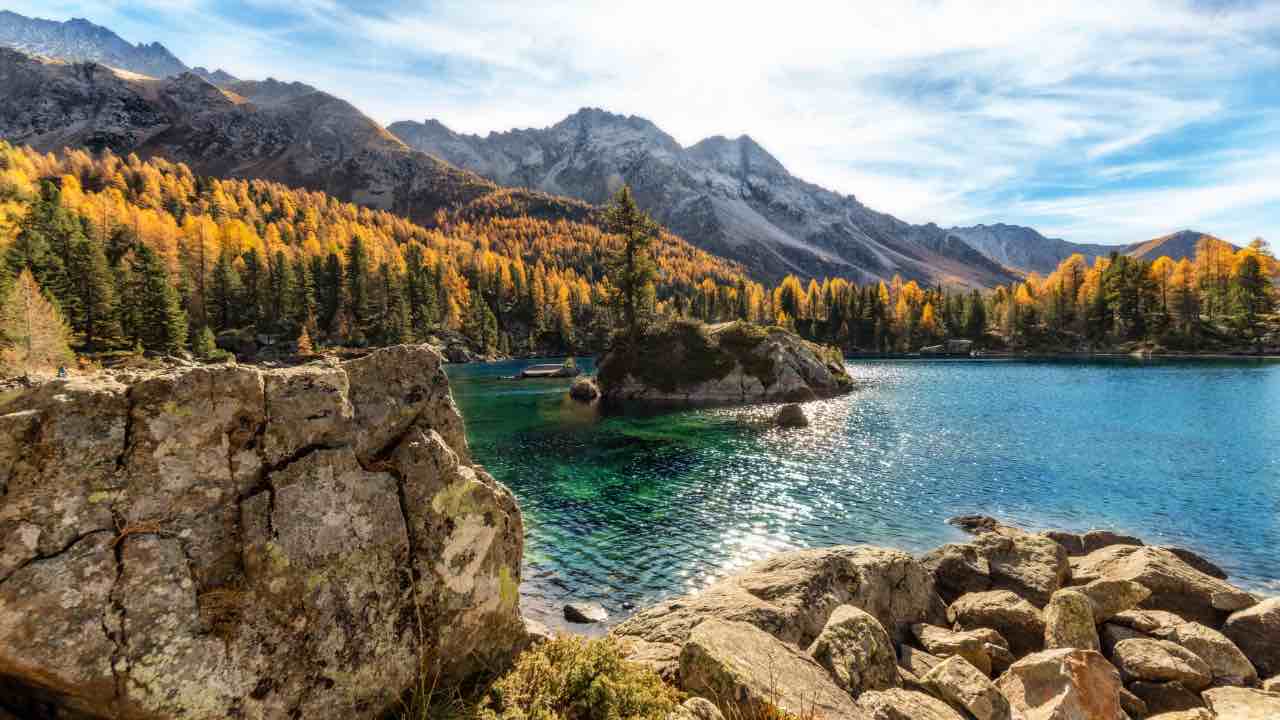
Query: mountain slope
78	40
285	132
728	196
1176	245
1026	250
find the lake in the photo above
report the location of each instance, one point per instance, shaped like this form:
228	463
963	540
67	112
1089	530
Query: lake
628	509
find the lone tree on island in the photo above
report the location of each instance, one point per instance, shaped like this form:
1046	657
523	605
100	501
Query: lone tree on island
632	271
38	336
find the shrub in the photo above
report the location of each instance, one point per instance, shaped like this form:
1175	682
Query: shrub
573	678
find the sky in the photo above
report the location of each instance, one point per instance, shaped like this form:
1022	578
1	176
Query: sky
1109	122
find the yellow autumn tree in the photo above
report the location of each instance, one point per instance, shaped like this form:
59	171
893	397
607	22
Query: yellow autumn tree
38	339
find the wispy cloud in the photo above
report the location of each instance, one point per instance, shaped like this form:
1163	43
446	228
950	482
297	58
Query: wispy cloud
1100	121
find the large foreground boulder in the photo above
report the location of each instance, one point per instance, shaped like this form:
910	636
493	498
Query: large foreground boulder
1226	662
1160	661
896	704
966	688
1063	684
746	671
1257	632
1234	703
216	542
736	362
856	650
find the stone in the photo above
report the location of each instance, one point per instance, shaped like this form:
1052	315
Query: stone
751	673
1256	631
662	658
1017	620
1063	684
1032	566
696	708
791	595
1073	543
1068	622
1175	586
1098	539
1160	661
585	613
996	647
1272	684
1165	697
1132	704
1198	562
1196	714
791	416
916	661
966	688
857	651
1111	596
1145	621
945	643
1236	703
1227	663
225	541
584	390
897	704
1109	634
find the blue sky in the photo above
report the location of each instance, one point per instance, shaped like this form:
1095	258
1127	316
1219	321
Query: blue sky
1106	122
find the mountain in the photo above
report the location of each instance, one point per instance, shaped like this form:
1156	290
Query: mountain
1024	248
728	196
287	132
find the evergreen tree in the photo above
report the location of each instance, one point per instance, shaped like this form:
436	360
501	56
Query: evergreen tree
224	293
329	291
203	345
632	270
279	293
975	317
357	283
162	325
93	314
252	280
37	336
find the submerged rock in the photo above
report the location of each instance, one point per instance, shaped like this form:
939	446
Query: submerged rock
584	613
584	390
226	541
736	362
791	416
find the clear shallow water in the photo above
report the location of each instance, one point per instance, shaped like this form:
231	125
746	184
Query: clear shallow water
627	510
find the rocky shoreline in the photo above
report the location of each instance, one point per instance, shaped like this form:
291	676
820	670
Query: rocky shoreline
1010	625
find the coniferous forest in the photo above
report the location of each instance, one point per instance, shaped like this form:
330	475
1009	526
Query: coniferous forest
145	256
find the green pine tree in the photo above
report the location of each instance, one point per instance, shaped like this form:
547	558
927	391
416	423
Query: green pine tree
632	271
162	324
93	312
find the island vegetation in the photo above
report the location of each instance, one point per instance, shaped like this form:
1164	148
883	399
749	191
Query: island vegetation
144	256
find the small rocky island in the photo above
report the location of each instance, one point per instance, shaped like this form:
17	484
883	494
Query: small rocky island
737	362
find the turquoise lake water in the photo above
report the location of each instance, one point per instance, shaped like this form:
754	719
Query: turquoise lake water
626	510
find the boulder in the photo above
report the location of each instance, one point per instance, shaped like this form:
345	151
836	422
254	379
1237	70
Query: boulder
1175	586
1073	543
791	596
857	651
791	416
1110	596
584	390
1236	703
1272	684
915	661
1132	704
1160	661
1228	665
686	361
696	708
1198	562
945	643
1017	620
897	704
662	658
1006	558
749	672
966	688
1061	684
585	613
1196	714
996	647
1098	539
1109	634
1165	697
1145	621
1256	631
222	541
1068	622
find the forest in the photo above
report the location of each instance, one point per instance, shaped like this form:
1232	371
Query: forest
143	256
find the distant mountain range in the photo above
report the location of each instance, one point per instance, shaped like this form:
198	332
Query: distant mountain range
727	196
78	40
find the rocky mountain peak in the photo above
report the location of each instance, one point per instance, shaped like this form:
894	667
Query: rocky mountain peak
741	156
80	40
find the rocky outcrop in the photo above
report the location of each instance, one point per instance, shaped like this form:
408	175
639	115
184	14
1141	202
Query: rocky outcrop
1061	684
231	542
687	362
1000	558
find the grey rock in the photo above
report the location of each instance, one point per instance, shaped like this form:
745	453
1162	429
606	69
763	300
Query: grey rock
1160	661
857	651
1033	566
791	416
897	704
585	613
1017	620
1256	631
1165	697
